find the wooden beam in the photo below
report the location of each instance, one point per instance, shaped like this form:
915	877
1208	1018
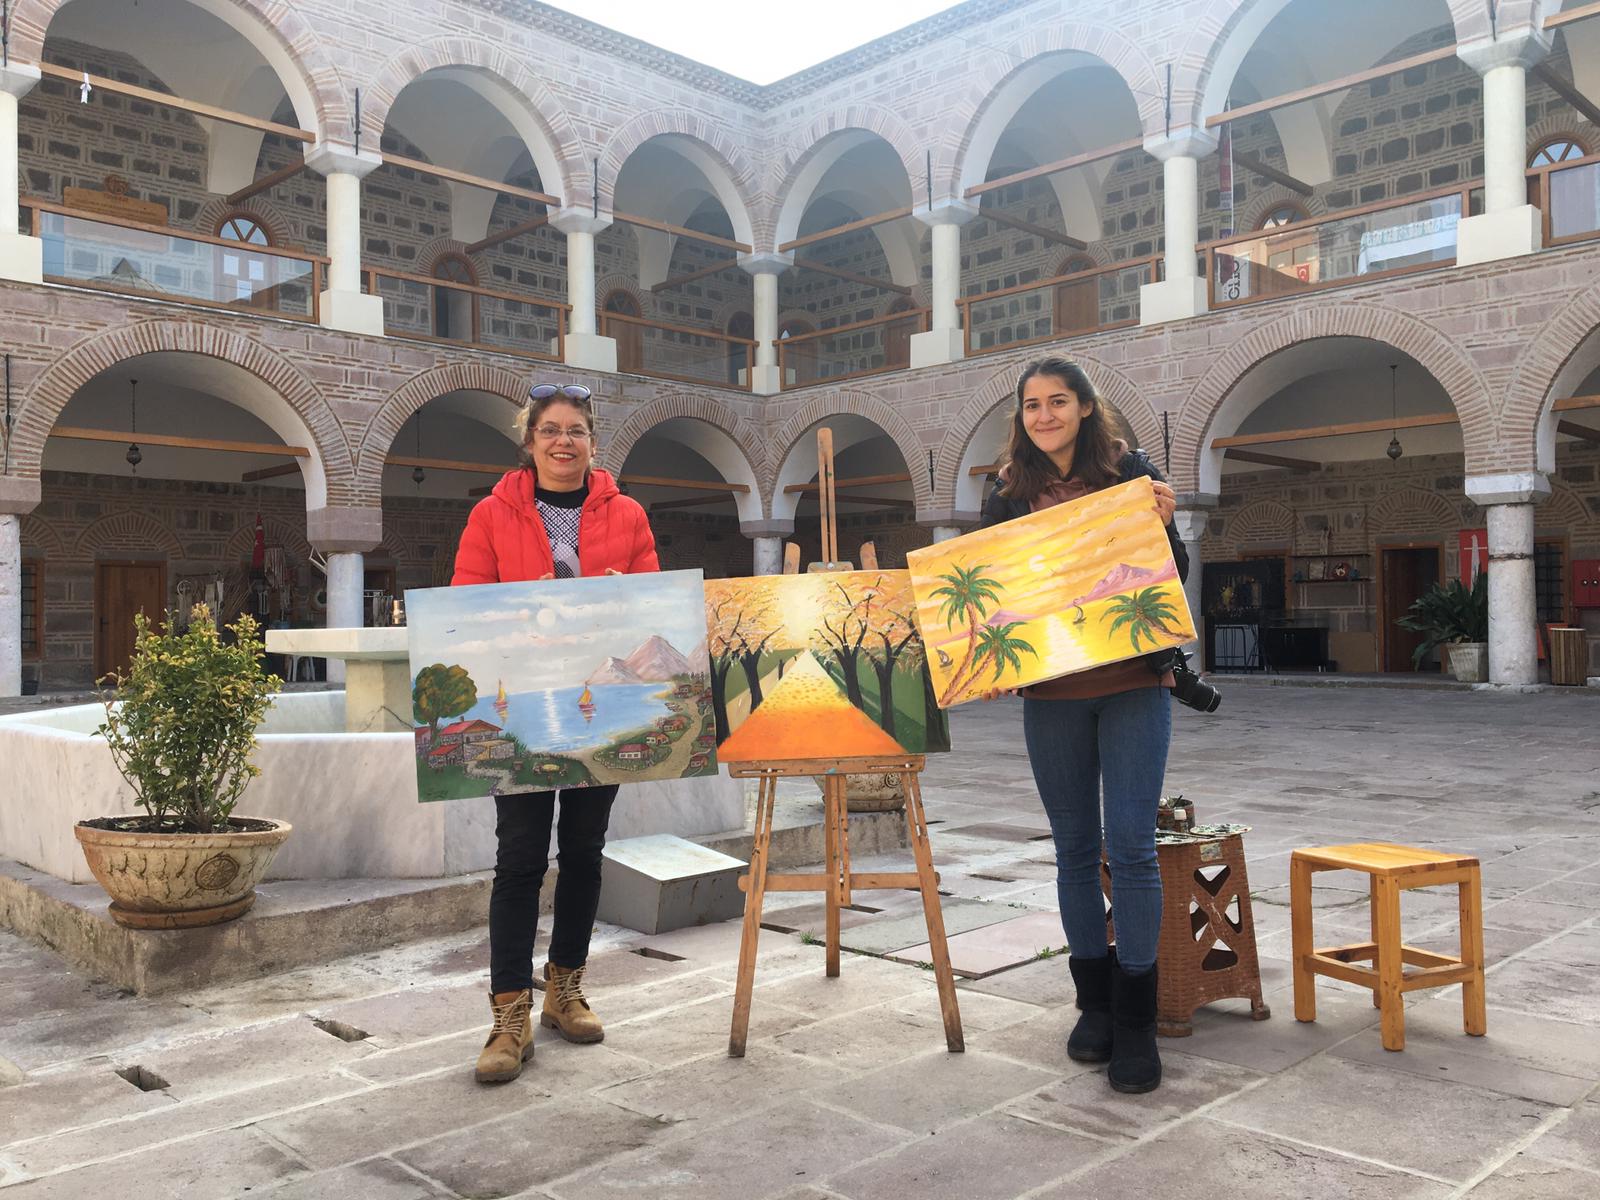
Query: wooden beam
707	485
692	502
811	264
822	235
691	276
1253	164
1581	13
1572	402
1322	431
987	469
879	501
1333	85
1573	429
77	434
694	235
505	235
1567	92
858	481
446	464
267	182
477	181
1064	164
270	472
1271	460
210	111
1050	235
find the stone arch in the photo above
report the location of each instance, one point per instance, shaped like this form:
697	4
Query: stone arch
872	118
608	285
951	461
289	43
715	154
42	537
1563	509
116	535
1564	353
812	160
291	537
536	113
1215	406
862	404
410	396
258	208
304	415
1259	523
1399	511
730	452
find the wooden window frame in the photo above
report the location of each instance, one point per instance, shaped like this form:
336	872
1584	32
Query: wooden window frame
1304	215
240	214
36	565
1570	139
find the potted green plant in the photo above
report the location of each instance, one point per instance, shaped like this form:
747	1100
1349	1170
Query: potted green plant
1456	617
181	730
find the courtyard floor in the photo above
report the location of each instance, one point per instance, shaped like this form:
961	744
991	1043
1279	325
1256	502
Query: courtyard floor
846	1092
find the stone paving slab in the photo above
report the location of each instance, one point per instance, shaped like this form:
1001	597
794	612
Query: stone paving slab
960	916
995	947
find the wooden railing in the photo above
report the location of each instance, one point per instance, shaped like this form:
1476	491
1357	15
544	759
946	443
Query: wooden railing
850	351
1568	194
113	254
1338	249
680	352
462	314
1059	307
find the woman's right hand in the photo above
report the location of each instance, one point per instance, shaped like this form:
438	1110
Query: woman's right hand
996	693
547	575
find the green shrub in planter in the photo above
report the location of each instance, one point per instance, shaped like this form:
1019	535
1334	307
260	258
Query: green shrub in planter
1447	613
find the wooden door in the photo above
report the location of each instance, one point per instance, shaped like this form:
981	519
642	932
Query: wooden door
897	340
628	336
121	591
1407	573
1077	306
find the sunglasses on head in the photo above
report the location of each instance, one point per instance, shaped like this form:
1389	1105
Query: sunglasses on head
572	391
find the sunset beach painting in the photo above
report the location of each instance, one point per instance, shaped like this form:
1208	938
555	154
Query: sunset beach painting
1062	590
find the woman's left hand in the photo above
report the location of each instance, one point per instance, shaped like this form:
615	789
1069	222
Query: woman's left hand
1166	501
612	571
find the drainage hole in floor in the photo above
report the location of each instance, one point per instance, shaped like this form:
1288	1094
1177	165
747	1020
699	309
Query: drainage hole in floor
863	908
345	1033
143	1079
995	878
652	952
772	928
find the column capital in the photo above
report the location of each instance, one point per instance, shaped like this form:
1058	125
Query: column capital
18	79
1187	142
1205	500
1190	523
761	529
767	262
947	212
1519	48
326	158
344	529
1520	487
18	495
951	517
579	220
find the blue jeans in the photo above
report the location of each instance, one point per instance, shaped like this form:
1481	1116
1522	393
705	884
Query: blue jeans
1075	746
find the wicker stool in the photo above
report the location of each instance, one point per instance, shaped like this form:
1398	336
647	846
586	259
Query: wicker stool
1390	869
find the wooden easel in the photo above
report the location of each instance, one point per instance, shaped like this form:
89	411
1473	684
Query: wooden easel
836	880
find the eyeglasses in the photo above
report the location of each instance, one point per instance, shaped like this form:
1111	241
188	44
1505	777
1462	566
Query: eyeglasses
550	433
572	391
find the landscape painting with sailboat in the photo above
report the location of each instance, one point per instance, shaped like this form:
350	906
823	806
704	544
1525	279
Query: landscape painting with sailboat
559	683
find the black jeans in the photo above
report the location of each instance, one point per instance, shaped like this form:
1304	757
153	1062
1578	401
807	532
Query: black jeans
522	825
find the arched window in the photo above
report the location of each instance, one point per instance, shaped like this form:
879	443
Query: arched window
1555	150
455	313
243	277
1073	263
242	227
1282	214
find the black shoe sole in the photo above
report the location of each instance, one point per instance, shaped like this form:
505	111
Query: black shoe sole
1134	1089
1092	1056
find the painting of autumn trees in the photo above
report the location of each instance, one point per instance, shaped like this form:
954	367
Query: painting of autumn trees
819	666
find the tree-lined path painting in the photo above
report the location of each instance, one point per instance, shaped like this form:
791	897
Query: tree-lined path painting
1059	591
560	683
819	666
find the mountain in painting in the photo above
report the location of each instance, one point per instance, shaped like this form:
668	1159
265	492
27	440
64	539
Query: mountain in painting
1123	578
613	670
657	662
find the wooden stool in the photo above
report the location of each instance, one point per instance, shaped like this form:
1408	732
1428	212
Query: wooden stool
1391	869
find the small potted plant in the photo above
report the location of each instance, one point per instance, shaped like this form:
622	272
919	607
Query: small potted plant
1456	617
181	730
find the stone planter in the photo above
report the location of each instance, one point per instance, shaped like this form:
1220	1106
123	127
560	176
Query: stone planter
1469	661
179	880
872	793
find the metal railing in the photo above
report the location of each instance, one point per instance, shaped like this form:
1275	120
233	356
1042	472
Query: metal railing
850	351
1568	193
112	254
440	310
1059	307
680	352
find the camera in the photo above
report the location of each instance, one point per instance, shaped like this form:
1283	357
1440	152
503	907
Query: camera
1189	688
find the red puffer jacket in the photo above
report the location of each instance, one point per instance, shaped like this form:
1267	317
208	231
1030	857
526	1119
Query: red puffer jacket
505	540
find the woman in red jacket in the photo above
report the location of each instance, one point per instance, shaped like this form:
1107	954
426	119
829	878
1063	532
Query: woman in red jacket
555	517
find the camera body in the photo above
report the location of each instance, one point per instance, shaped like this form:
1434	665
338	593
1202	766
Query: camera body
1187	687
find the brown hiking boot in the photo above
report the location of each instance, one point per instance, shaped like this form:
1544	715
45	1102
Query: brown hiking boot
565	1009
510	1041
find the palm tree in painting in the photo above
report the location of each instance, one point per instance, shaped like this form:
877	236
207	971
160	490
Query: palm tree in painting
997	648
1144	613
965	597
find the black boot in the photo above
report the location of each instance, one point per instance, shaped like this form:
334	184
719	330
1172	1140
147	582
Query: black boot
1135	1062
1090	1040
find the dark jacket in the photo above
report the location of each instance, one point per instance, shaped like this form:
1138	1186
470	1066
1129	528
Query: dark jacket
1134	464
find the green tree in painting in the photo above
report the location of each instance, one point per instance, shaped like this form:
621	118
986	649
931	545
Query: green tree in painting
439	692
965	597
1144	613
997	648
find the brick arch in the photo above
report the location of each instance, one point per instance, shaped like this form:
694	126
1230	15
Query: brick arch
828	403
908	146
294	36
1262	521
100	352
116	535
1397	510
614	450
1563	509
1543	375
41	536
1442	357
726	152
563	151
393	547
1000	68
608	285
410	396
276	531
258	208
1116	391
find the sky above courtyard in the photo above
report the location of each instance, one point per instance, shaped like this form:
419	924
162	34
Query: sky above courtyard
760	43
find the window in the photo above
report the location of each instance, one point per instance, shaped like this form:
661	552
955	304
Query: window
1550	581
242	227
1283	214
32	607
1555	150
242	277
454	312
1074	263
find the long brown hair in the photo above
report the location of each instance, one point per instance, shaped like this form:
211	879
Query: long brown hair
1027	470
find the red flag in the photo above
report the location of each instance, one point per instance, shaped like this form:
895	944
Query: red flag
258	556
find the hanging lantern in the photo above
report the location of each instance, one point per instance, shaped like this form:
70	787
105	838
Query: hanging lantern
1394	451
417	473
134	455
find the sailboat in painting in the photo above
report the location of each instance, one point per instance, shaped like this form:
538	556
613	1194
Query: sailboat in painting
502	706
586	704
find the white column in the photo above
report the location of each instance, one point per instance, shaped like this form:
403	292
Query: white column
1182	293
343	534
766	380
21	256
584	347
943	342
344	306
10	605
1191	526
1509	225
768	556
1508	502
346	582
943	533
